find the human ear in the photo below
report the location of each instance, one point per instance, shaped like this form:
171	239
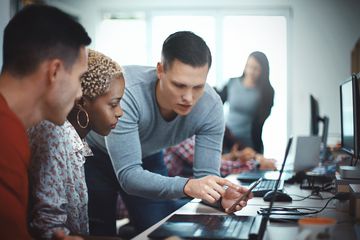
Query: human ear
54	70
85	103
159	69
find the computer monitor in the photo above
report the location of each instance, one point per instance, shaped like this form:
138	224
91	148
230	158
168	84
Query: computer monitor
357	117
349	112
316	119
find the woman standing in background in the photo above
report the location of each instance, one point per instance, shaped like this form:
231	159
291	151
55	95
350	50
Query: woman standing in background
250	98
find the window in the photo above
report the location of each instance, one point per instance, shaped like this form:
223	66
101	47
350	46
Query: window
137	39
124	39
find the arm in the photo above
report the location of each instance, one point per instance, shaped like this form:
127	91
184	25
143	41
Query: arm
208	143
125	152
124	148
208	146
48	177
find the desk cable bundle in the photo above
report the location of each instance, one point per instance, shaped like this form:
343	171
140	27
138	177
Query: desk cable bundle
300	211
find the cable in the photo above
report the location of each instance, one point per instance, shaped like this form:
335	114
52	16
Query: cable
315	192
311	196
296	212
302	198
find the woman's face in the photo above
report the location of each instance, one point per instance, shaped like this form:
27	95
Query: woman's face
104	111
252	69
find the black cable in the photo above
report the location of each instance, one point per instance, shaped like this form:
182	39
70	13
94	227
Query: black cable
317	196
322	198
296	212
311	196
302	198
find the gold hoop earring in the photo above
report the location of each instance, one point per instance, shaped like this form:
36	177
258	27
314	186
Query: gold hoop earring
78	118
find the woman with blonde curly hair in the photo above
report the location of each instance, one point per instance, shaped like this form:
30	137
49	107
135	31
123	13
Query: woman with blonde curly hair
59	195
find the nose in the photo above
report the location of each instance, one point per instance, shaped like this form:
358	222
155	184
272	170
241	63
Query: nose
119	112
188	96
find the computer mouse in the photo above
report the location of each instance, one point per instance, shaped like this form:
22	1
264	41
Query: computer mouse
280	197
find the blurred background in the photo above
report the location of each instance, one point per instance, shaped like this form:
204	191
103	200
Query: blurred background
308	44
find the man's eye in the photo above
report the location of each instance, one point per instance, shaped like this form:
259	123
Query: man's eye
179	85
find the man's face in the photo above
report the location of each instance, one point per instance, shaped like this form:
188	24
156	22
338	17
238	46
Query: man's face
181	86
65	89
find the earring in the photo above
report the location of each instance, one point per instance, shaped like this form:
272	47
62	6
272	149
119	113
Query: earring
78	118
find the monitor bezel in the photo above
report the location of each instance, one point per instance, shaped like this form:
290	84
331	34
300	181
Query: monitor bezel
355	88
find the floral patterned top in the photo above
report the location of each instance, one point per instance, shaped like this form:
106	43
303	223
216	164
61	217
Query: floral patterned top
58	188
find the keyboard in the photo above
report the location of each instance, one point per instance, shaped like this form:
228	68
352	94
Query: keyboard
266	186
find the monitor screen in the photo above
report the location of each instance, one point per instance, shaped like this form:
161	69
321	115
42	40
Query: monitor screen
347	116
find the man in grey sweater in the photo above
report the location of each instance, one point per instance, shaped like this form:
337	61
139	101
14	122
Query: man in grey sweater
162	107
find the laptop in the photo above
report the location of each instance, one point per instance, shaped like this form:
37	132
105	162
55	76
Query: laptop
304	155
205	226
307	153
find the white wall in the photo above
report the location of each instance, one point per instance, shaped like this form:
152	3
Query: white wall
324	33
4	18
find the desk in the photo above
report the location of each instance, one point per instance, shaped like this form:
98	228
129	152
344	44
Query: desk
343	230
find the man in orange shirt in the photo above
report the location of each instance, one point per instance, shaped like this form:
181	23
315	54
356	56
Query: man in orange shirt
44	56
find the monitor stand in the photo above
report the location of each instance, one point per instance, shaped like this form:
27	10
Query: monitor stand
349	172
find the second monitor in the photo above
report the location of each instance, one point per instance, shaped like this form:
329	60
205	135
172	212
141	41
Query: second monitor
315	120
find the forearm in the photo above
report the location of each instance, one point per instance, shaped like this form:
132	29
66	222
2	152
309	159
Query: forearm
48	213
139	182
48	218
48	210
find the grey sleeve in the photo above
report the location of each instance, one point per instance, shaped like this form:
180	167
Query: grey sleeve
208	143
124	149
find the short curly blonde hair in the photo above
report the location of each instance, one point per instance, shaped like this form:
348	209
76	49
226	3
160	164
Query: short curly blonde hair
101	70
